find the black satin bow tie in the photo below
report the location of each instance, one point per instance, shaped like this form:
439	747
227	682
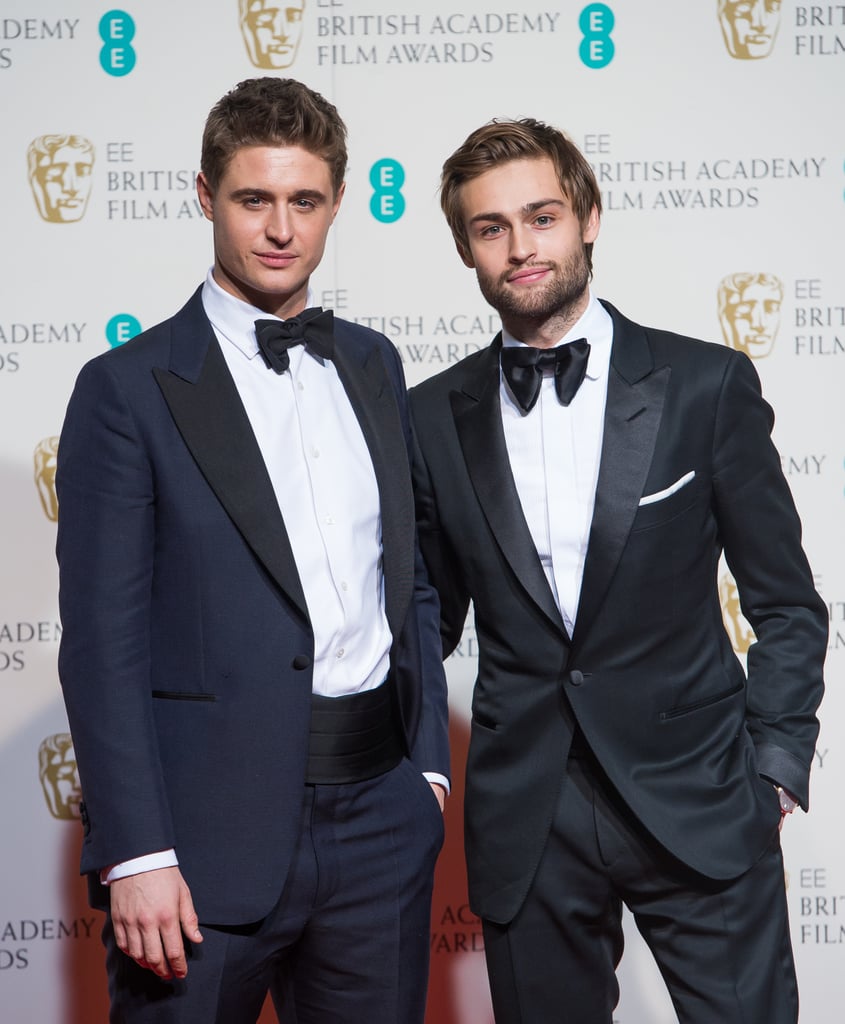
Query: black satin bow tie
313	327
523	368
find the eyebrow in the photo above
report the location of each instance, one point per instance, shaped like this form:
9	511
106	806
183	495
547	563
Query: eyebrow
526	210
303	193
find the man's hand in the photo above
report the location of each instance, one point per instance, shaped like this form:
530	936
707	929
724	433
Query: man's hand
440	793
788	803
150	913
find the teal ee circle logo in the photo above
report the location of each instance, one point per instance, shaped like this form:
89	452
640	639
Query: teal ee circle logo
121	328
596	23
387	178
117	30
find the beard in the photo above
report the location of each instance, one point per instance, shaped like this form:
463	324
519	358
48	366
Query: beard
556	298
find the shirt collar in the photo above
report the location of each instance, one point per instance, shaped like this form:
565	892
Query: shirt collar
234	319
596	326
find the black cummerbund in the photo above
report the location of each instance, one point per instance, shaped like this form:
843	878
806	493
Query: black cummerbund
353	738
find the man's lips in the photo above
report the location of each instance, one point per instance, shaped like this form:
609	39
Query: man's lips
528	275
276	259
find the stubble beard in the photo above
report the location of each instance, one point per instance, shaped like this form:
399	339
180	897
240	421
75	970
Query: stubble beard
556	299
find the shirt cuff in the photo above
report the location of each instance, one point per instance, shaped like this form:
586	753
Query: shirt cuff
138	865
439	779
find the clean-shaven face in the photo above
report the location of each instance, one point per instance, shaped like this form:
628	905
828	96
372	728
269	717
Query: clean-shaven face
271	213
525	242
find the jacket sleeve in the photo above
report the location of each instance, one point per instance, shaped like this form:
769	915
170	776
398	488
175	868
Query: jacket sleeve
437	551
430	748
761	534
105	545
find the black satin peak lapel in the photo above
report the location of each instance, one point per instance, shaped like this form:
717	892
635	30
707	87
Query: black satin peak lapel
632	419
214	425
374	403
478	421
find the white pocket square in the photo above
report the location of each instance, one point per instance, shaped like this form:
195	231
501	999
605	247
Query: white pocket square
650	499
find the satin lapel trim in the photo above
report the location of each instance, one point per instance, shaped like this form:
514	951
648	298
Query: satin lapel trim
214	425
374	403
631	423
478	421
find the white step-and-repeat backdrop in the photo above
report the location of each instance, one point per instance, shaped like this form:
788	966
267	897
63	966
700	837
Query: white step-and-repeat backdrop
716	132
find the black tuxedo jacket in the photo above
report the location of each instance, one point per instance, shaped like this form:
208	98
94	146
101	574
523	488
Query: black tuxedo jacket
649	674
187	645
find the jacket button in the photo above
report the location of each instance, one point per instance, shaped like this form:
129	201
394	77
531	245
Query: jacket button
576	677
301	661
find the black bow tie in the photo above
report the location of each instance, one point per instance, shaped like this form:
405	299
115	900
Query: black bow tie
313	327
523	368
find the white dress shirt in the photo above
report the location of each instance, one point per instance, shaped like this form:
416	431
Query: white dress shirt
324	482
554	453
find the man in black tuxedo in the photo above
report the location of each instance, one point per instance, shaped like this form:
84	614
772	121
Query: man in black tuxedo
578	481
250	656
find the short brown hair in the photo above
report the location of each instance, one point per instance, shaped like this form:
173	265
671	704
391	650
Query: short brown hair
272	112
501	141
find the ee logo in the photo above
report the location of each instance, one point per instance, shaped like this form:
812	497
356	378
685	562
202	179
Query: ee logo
387	203
117	30
121	328
596	23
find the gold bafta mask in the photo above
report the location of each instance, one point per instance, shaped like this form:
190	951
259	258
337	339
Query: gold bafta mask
749	27
59	776
741	634
45	475
749	312
60	169
271	31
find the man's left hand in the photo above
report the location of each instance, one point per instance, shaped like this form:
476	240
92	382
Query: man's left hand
788	803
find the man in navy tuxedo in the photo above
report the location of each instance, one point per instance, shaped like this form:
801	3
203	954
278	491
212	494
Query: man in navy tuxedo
578	480
250	656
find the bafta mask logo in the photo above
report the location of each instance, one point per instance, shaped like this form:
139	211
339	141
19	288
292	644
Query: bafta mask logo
749	27
45	476
749	312
740	633
271	31
59	776
60	169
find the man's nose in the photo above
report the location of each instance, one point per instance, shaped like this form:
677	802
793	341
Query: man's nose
279	225
522	244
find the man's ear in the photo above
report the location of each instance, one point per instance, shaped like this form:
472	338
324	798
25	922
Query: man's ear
465	254
204	194
337	199
591	228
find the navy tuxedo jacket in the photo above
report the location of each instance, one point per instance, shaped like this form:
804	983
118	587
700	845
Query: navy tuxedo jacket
187	645
649	675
